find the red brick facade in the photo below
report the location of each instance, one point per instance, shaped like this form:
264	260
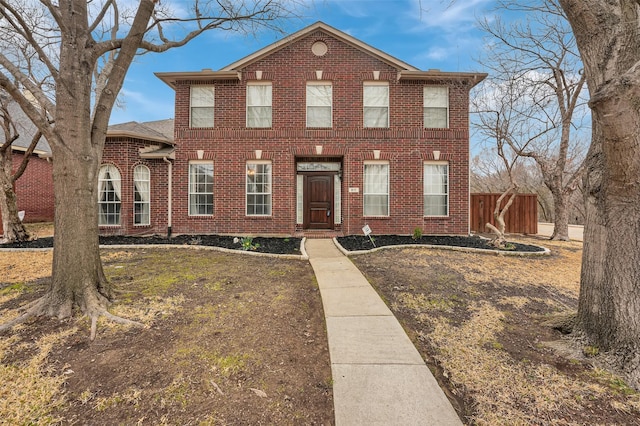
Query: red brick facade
347	64
34	189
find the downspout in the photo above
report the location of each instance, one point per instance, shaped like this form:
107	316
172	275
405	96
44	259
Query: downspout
169	194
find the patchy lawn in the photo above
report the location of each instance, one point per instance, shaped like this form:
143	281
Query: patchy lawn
232	339
479	321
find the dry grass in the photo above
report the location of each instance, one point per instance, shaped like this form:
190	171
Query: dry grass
29	391
505	391
481	319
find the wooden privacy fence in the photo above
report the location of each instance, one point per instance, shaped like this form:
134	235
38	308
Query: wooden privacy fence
521	218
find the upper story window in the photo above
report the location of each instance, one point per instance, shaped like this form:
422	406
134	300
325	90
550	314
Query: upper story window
259	101
202	106
436	188
436	107
200	188
109	195
376	104
141	195
376	189
319	104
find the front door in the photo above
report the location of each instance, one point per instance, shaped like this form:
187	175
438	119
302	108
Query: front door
318	201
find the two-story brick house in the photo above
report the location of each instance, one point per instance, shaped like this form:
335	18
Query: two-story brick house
318	131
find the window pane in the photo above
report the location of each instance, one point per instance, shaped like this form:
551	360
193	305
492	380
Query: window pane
319	104
109	194
202	106
318	116
376	96
376	190
436	107
259	116
259	105
435	118
201	117
258	189
376	106
436	189
201	189
376	117
141	195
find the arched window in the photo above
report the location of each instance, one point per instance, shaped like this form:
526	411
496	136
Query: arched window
141	195
109	195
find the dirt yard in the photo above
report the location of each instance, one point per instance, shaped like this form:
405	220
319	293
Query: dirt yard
231	339
480	322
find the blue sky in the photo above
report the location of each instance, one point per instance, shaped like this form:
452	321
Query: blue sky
441	35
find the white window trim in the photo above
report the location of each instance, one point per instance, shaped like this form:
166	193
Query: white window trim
246	113
437	163
191	107
148	202
213	205
246	184
319	83
426	106
377	83
388	193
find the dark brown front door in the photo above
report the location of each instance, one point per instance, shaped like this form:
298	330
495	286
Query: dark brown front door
318	201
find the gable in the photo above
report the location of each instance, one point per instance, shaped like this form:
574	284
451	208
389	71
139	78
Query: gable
319	33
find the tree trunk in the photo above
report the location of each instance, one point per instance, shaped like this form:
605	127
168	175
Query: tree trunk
13	228
78	279
560	216
608	36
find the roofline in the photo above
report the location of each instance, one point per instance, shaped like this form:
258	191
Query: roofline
207	74
307	30
155	156
135	135
38	152
431	75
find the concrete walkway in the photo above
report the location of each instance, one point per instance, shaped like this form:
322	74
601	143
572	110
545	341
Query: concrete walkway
379	378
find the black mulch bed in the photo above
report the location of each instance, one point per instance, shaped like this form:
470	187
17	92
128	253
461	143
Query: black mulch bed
259	244
360	242
286	245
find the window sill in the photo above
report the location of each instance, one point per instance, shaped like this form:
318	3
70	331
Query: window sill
377	217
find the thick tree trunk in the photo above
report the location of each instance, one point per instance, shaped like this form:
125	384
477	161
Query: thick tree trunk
13	229
608	36
561	217
78	280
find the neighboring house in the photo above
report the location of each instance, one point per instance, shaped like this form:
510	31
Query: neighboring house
134	181
34	189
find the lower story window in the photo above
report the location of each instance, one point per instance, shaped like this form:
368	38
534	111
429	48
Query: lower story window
200	189
258	188
109	195
376	189
141	195
436	188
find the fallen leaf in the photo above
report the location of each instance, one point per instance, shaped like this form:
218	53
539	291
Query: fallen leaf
258	392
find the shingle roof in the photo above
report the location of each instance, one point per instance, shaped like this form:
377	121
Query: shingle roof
157	131
27	130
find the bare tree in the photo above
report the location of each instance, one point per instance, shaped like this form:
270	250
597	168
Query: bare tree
501	122
608	37
500	210
13	228
86	48
540	53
